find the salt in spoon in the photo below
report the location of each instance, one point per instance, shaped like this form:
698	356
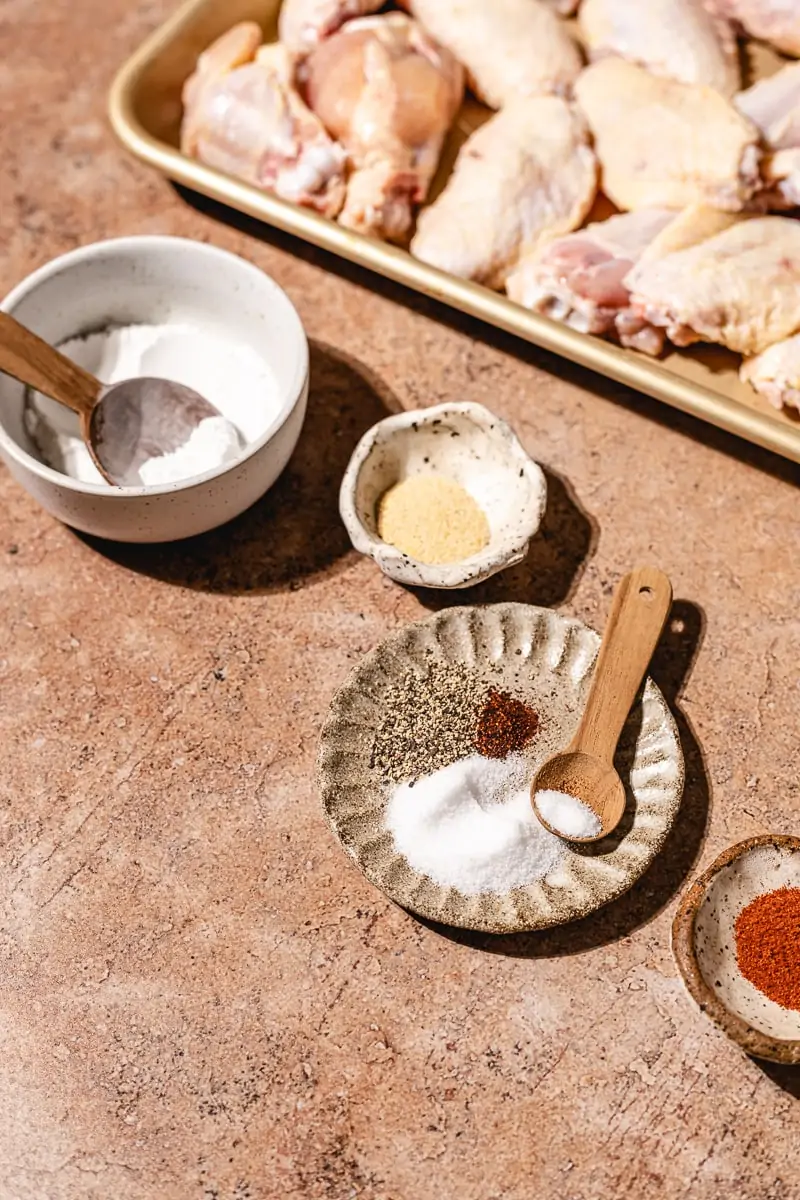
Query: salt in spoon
124	424
585	770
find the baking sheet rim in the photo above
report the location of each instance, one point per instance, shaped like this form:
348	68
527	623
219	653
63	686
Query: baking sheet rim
622	366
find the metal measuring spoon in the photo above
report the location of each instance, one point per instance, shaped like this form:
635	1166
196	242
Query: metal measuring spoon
585	770
124	424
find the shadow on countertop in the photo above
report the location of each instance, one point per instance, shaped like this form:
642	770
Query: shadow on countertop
435	310
552	568
671	667
294	531
787	1078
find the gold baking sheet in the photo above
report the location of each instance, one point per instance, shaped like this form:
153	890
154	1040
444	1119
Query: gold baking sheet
145	111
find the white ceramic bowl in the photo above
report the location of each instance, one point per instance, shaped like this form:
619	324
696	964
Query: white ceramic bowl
155	280
467	443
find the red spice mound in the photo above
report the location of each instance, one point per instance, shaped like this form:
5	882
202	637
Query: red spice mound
505	725
768	945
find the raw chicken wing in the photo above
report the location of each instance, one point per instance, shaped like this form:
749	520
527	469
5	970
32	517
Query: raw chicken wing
510	48
738	289
304	23
775	21
527	172
667	144
580	278
774	106
233	49
243	116
775	374
676	38
388	93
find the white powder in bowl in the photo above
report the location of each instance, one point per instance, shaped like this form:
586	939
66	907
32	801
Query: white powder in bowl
212	444
231	375
471	826
567	814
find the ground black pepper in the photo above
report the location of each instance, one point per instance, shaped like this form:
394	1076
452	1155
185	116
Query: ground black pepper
428	722
505	725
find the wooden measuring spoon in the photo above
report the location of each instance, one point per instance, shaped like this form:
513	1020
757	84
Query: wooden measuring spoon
124	424
585	770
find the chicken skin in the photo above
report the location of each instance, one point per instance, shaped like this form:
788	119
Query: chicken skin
510	48
243	116
679	39
737	289
667	144
527	172
302	24
773	105
775	21
385	90
775	373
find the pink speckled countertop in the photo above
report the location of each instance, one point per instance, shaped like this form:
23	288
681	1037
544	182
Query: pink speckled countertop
201	997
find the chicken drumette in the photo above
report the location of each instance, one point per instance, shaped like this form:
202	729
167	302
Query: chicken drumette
385	90
241	114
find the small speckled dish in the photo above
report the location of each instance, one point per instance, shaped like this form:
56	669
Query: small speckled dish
467	443
704	944
546	660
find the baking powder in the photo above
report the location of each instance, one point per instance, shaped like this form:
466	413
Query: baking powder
232	376
213	443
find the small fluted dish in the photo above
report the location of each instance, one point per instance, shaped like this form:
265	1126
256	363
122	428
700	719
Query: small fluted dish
546	661
704	945
468	444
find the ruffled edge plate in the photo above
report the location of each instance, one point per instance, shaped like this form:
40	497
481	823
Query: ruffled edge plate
517	646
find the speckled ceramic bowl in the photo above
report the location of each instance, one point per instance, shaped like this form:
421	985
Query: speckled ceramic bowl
704	944
154	280
467	443
546	660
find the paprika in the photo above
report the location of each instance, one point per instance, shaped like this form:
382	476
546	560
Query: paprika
768	945
505	725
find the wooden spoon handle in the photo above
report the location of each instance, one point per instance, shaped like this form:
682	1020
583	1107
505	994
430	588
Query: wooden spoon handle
639	610
30	360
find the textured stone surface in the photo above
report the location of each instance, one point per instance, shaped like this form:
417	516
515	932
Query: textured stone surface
200	995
